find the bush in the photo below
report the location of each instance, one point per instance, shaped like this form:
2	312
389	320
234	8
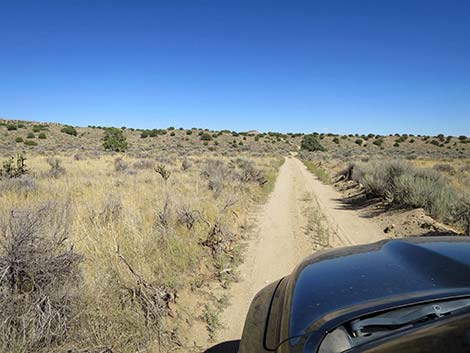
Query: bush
189	132
12	127
120	165
405	186
163	171
358	142
39	128
19	140
13	167
23	185
378	178
42	136
378	142
186	164
30	143
56	169
249	172
461	212
40	279
69	130
206	137
218	173
152	133
311	143
114	140
30	135
426	189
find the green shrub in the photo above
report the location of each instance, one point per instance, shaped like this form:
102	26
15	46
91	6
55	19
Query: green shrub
152	133
189	132
402	138
206	137
336	140
21	126
12	127
42	136
311	143
39	128
69	130
19	140
358	142
378	178
427	189
378	142
404	186
114	140
461	212
30	143
30	135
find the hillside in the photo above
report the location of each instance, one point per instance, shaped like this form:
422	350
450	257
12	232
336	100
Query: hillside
16	135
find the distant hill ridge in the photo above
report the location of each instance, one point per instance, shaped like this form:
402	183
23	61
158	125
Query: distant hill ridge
55	137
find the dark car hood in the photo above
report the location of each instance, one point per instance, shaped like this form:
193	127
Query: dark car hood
329	285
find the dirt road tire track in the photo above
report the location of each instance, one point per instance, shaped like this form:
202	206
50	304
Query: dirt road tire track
280	242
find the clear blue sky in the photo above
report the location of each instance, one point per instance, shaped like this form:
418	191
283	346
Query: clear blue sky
340	66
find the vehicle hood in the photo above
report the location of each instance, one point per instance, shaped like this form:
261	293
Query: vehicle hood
330	286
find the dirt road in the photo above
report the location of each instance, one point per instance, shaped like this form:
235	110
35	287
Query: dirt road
288	227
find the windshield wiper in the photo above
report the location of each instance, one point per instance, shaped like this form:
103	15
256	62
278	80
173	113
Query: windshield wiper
408	316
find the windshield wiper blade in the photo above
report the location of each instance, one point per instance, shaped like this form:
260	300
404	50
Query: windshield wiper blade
393	321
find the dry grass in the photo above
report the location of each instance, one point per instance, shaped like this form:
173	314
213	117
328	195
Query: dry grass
143	239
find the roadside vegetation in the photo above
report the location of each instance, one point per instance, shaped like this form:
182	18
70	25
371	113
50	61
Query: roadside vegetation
99	251
401	185
321	173
402	171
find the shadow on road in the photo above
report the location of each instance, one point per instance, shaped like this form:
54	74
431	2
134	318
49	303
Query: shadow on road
224	347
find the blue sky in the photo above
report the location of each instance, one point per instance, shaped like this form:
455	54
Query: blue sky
340	66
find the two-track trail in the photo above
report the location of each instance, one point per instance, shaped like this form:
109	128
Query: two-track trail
282	239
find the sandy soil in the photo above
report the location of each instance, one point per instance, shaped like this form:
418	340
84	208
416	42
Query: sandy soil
282	238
